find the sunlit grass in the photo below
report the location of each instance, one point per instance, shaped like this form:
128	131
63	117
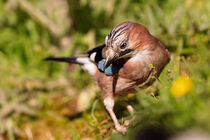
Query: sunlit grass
39	99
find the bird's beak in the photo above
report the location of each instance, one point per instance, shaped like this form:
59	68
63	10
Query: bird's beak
109	60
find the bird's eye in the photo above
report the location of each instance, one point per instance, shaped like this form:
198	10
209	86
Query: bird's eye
123	46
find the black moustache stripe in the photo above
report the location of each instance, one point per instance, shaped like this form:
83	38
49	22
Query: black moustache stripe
126	52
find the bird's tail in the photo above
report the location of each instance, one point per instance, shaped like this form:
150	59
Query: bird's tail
85	62
74	60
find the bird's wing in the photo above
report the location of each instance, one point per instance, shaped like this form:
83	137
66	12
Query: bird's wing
88	63
97	54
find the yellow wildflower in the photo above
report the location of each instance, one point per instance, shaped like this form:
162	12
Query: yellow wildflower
181	86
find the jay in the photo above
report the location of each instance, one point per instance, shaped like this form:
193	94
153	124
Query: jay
129	59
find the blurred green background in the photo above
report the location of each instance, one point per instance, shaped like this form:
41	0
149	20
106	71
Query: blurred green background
41	100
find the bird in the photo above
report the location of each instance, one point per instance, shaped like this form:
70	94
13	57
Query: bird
129	59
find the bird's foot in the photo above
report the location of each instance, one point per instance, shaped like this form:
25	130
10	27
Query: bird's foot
121	128
127	123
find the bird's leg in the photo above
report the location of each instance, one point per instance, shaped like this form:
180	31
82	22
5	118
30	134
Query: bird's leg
129	108
131	111
109	104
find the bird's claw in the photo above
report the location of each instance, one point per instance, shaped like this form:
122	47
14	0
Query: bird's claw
127	123
121	128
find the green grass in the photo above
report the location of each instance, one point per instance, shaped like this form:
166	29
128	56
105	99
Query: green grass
42	100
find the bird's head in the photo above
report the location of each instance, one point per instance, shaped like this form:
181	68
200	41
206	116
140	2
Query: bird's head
124	41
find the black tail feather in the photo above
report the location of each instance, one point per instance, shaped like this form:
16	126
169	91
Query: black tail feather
63	59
